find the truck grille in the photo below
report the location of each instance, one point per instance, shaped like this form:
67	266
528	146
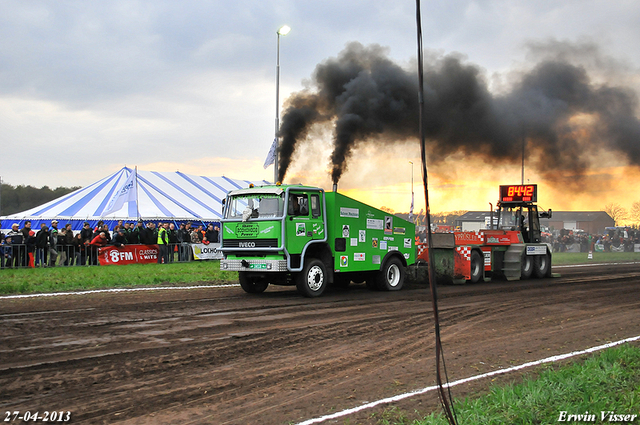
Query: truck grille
250	243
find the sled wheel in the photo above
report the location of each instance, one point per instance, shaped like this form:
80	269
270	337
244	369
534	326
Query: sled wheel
527	266
542	266
477	267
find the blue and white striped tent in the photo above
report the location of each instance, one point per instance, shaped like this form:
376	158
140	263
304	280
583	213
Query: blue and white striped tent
161	196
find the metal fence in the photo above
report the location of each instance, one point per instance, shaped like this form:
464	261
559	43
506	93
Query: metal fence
29	256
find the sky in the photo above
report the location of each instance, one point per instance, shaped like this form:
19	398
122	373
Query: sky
89	87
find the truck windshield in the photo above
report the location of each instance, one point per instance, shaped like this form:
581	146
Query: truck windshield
510	218
253	206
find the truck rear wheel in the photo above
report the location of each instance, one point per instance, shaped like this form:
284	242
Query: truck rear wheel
527	266
391	277
542	266
477	267
251	284
313	280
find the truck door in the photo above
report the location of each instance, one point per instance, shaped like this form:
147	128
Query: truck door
534	224
305	221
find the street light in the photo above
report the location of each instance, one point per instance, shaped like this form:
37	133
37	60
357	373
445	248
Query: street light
283	30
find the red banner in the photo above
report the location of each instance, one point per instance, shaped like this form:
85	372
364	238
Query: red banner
129	254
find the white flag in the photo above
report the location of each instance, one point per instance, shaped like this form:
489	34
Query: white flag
411	209
127	193
271	156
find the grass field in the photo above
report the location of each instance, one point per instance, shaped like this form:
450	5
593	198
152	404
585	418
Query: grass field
605	382
563	258
27	281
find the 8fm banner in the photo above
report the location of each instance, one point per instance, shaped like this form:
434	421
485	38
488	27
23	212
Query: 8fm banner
128	254
206	252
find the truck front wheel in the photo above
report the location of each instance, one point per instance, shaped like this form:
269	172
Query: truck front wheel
251	284
391	277
313	280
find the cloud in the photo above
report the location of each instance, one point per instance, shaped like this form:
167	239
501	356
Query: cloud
92	85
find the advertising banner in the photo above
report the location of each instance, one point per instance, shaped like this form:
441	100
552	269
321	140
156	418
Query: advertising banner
128	254
206	252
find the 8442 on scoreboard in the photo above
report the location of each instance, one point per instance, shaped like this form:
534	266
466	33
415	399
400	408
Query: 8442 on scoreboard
518	193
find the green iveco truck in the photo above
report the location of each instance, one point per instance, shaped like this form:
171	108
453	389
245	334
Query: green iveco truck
301	235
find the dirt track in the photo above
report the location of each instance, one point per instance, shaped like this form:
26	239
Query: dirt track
221	356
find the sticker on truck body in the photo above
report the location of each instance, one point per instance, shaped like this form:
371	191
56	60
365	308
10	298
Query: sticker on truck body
349	212
388	225
375	224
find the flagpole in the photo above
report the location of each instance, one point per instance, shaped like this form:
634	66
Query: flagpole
136	180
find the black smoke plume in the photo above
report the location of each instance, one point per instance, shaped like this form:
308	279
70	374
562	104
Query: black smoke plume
370	99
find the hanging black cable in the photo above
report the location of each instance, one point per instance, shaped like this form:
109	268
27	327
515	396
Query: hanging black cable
445	396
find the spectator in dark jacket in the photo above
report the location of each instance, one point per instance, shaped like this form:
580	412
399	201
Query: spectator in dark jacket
184	239
149	236
210	236
79	249
86	232
172	234
5	252
42	246
24	259
120	239
68	242
135	236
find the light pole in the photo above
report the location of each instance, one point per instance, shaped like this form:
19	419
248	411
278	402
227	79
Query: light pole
283	30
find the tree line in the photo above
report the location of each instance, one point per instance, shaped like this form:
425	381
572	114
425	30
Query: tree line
621	215
14	199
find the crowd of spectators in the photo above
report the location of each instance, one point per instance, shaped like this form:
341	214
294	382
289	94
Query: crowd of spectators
619	239
54	246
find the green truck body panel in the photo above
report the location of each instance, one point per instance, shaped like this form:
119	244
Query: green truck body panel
369	234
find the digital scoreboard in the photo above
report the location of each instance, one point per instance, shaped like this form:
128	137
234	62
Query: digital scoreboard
519	193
